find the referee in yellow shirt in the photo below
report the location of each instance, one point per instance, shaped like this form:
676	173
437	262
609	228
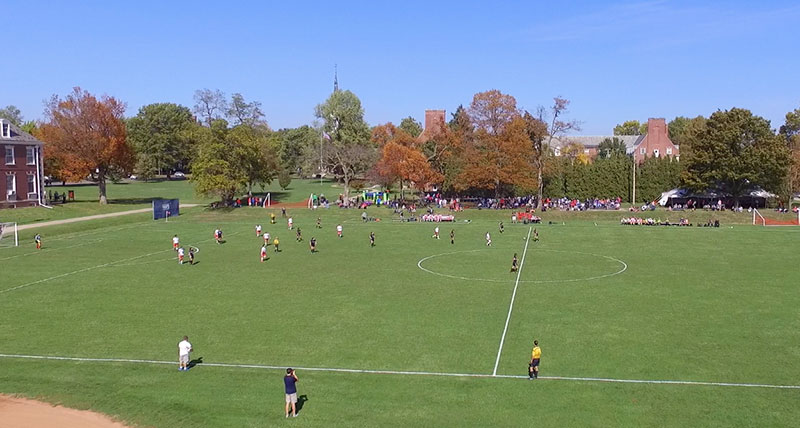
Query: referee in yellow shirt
533	367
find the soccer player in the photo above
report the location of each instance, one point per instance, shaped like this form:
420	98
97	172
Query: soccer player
313	245
290	221
264	255
258	230
38	240
452	236
502	228
535	236
283	212
175	242
276	243
436	232
272	218
339	230
299	235
364	216
514	263
488	240
533	368
191	255
184	348
372	239
266	239
319	223
218	236
180	255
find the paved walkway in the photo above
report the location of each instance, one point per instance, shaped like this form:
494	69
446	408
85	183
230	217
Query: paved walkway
92	217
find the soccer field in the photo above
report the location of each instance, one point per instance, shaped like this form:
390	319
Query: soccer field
702	307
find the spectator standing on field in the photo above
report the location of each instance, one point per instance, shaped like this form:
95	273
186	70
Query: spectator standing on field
290	385
184	348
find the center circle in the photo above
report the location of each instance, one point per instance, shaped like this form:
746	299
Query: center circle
551	266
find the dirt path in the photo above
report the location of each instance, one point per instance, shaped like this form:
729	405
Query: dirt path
24	413
92	217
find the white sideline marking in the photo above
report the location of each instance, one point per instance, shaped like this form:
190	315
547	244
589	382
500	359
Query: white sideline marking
511	306
400	372
48	249
91	268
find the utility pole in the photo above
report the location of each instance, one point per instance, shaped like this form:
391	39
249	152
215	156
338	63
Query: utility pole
633	189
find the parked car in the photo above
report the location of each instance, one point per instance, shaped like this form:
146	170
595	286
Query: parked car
134	177
179	174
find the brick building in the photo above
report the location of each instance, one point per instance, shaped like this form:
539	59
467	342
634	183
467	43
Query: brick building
21	169
434	121
655	143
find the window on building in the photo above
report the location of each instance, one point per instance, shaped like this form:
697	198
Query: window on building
30	155
642	151
31	183
669	150
656	153
11	184
9	155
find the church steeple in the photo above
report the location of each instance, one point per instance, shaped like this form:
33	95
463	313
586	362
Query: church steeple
335	78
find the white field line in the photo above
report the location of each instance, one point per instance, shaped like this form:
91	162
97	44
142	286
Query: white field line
91	268
48	250
397	372
511	305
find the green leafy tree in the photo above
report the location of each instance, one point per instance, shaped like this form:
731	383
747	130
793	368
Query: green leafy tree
214	170
284	179
240	112
790	130
30	127
254	153
411	126
157	136
210	105
12	114
677	129
735	152
631	127
656	175
299	148
347	150
610	147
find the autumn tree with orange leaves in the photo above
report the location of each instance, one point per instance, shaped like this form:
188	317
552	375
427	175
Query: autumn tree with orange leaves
87	137
401	159
499	156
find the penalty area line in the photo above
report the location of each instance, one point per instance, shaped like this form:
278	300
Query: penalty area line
401	372
511	305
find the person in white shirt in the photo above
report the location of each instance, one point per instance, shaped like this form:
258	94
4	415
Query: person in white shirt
266	238
258	230
436	232
290	223
184	348
488	240
339	230
180	256
175	243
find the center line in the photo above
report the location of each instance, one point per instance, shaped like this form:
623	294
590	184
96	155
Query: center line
511	306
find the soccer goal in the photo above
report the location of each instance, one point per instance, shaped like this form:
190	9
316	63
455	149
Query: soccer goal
760	220
9	236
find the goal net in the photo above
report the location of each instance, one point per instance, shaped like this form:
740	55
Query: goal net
9	236
789	220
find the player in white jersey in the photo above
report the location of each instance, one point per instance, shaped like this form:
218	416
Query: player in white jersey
180	255
258	230
488	240
175	242
436	232
339	230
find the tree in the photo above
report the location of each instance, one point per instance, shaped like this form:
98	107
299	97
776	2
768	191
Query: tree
677	129
790	130
631	127
254	154
347	150
558	127
499	157
12	114
299	148
402	159
536	128
735	151
88	137
284	179
157	135
240	112
210	105
214	169
411	126
611	147
30	127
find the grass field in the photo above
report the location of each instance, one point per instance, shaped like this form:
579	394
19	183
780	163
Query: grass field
604	301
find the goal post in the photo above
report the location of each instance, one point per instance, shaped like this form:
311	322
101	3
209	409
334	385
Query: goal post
9	235
758	219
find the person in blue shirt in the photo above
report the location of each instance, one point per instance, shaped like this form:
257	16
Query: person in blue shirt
290	383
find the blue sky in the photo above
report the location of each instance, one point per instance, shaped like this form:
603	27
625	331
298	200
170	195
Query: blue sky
614	60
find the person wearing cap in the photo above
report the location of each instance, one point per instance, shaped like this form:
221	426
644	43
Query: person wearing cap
290	385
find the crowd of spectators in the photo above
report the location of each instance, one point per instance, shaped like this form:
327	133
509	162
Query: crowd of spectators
566	204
